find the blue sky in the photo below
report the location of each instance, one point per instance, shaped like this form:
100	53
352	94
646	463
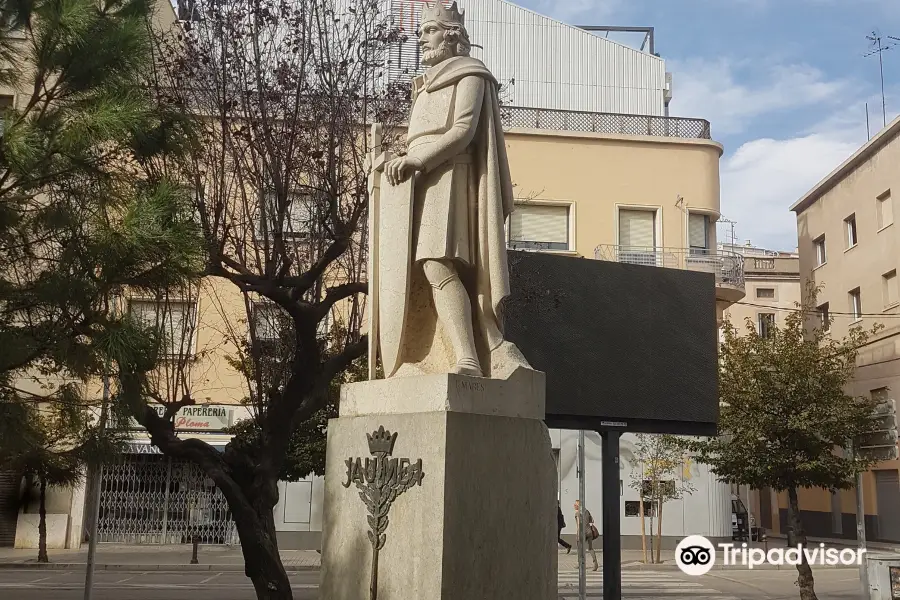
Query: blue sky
783	82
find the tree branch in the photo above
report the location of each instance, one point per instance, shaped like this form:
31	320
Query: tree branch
336	294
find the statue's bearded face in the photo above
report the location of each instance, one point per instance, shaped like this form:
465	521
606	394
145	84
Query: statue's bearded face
434	45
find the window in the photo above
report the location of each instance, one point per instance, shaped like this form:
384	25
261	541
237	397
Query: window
297	217
824	317
539	227
885	210
174	320
889	287
633	508
819	245
6	101
855	304
765	293
765	324
698	233
637	236
850	226
269	320
881	395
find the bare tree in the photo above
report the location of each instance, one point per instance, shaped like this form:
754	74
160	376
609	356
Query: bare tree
281	94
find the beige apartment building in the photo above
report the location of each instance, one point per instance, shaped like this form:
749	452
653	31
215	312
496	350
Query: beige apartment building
849	243
629	188
772	287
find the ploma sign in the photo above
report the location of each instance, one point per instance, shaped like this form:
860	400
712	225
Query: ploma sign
198	418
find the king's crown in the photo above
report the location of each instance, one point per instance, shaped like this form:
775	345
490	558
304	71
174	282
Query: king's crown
437	12
381	441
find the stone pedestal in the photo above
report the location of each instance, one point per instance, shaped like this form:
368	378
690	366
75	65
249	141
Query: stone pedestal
475	520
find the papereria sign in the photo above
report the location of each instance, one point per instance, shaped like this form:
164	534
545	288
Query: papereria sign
210	417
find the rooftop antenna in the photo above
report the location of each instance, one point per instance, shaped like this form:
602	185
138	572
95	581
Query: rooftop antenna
724	219
879	45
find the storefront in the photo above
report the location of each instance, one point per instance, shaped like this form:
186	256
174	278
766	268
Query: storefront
149	498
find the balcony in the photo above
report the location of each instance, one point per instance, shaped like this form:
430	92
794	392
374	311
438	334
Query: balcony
728	267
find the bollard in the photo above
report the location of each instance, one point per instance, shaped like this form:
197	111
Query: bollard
194	560
765	540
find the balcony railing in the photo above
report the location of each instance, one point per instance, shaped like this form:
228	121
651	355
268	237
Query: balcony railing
728	267
610	123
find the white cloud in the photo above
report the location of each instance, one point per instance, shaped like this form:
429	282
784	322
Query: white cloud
718	91
764	177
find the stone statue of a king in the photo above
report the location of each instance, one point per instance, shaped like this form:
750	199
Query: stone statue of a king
439	250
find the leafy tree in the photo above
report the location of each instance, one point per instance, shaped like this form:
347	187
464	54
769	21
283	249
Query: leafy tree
84	215
306	451
79	218
50	446
785	417
280	94
660	479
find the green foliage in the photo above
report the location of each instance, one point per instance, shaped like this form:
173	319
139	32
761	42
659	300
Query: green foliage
53	442
785	415
306	450
662	460
86	211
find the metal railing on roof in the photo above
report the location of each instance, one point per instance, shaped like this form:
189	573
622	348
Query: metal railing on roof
728	267
609	123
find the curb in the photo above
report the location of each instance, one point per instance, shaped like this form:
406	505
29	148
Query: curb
230	568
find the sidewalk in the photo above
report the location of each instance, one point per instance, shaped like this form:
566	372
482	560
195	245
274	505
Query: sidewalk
633	559
115	557
781	538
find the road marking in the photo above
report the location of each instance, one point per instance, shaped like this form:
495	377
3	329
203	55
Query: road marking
208	579
41	579
126	579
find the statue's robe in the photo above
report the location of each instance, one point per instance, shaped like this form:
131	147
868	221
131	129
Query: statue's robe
461	201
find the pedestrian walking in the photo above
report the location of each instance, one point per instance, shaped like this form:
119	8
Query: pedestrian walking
560	524
590	531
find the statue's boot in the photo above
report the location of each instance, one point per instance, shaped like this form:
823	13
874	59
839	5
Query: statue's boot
454	311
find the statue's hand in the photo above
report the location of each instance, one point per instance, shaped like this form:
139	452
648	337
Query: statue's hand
401	168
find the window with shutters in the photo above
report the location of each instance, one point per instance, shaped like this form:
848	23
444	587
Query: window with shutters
850	227
540	227
297	220
884	210
270	321
765	324
637	236
174	321
856	304
819	245
824	317
698	233
889	286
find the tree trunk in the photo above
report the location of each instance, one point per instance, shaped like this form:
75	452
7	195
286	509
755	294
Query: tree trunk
643	528
42	524
262	562
659	531
805	579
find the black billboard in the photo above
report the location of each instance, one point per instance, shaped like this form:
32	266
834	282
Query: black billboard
625	347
